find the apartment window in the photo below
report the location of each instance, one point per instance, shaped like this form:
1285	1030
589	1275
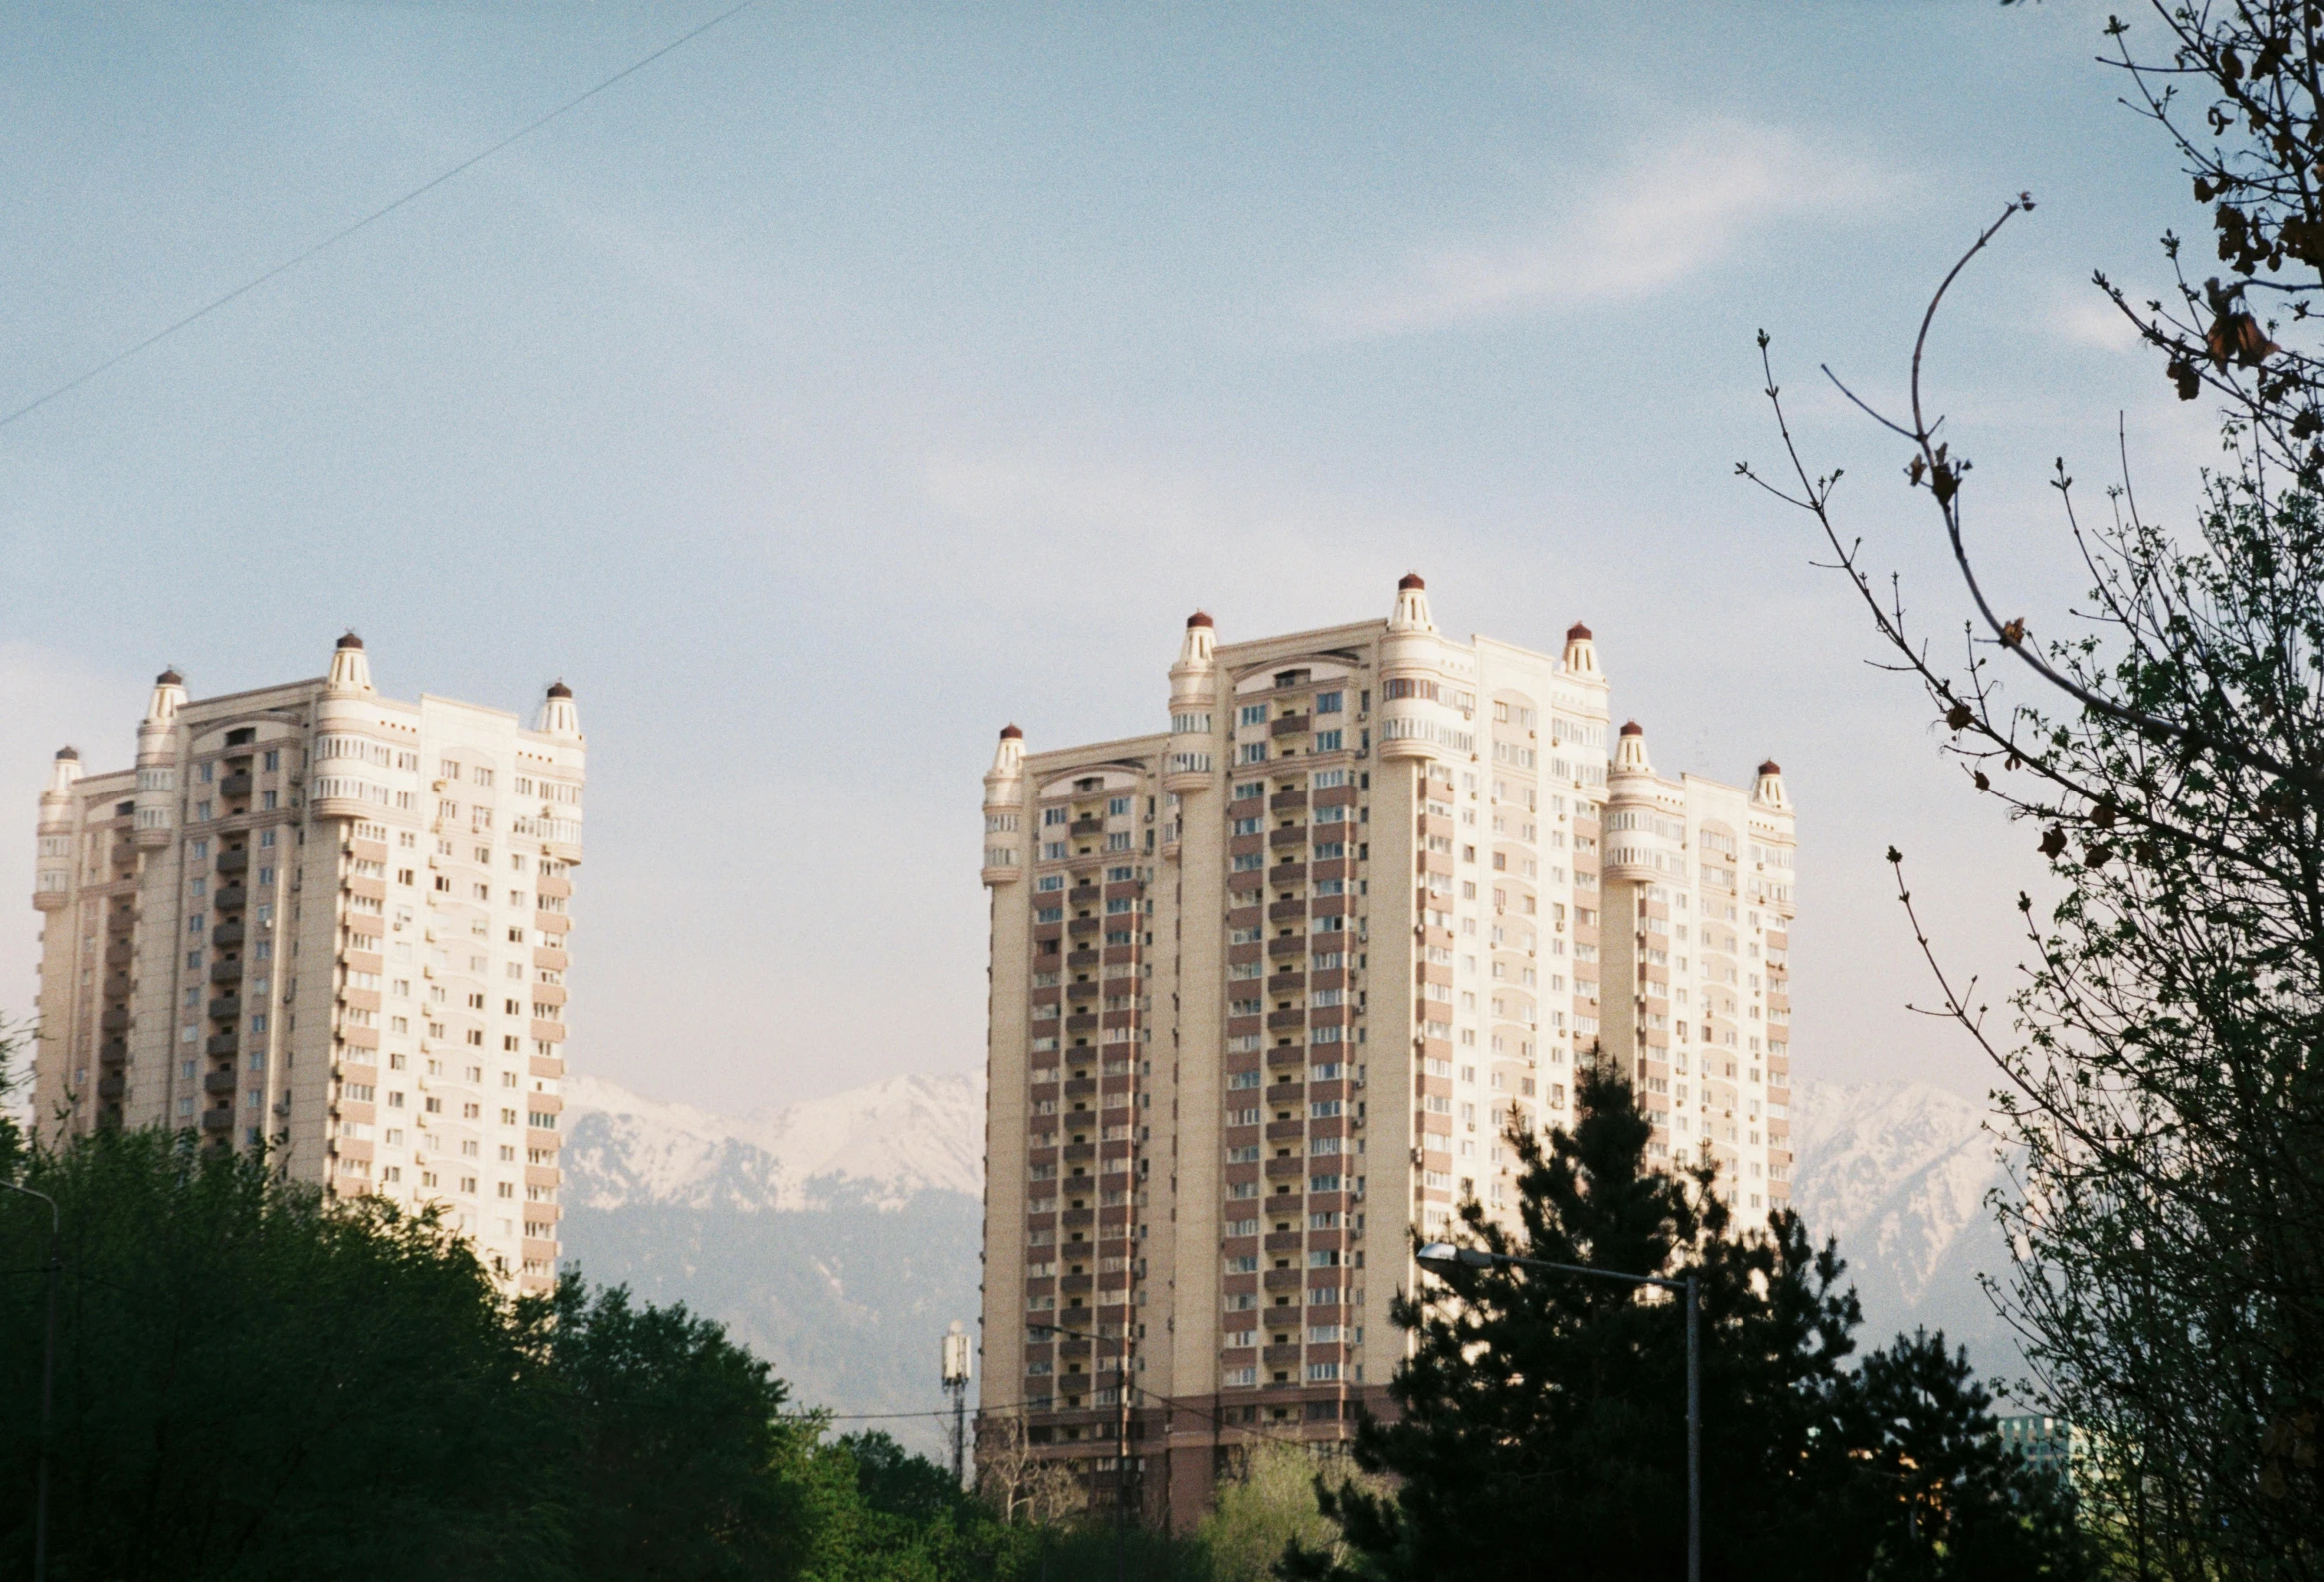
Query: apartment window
1253	714
1329	702
1117	808
202	809
1253	752
448	769
484	776
1328	740
1053	816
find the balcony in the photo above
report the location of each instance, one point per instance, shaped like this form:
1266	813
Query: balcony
1086	826
1284	801
1285	911
111	1085
120	953
218	1120
1279	1279
1280	1356
1086	1022
226	972
1287	983
1082	895
1291	726
232	861
219	1082
1082	925
220	1045
1282	1168
1292	946
1081	991
225	1008
229	898
112	1051
235	786
1296	835
227	936
114	1020
1078	959
1277	1020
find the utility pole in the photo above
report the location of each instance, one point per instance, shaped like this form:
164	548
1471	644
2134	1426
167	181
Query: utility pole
956	1362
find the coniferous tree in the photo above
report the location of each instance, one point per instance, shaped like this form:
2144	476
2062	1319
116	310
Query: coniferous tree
1541	1418
1933	1491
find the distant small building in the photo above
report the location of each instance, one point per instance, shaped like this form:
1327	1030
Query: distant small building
2045	1441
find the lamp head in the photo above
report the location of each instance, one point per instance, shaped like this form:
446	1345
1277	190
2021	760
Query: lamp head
1439	1256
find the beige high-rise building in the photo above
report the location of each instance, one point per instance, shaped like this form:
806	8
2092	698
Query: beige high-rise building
1266	989
331	925
1698	887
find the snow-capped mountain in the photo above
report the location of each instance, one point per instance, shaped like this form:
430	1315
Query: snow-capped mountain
838	1237
1900	1174
898	1138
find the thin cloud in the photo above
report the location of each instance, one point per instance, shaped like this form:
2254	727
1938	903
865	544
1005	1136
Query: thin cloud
1678	210
2087	319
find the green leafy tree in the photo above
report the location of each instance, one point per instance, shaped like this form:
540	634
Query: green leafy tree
1540	1429
677	1461
1269	1504
256	1384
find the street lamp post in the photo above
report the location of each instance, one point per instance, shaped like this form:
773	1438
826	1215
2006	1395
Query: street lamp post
1122	1442
1439	1256
48	1380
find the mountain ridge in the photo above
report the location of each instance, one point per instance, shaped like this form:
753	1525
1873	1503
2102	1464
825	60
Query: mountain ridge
837	1237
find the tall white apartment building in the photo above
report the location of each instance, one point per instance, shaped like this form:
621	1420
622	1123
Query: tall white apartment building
331	925
1698	907
1267	988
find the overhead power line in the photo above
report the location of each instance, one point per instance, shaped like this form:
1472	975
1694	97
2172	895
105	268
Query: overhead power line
380	213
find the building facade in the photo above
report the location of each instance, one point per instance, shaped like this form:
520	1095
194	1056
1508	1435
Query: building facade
331	924
1267	988
1698	904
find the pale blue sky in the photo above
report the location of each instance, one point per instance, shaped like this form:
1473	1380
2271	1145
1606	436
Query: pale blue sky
854	380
